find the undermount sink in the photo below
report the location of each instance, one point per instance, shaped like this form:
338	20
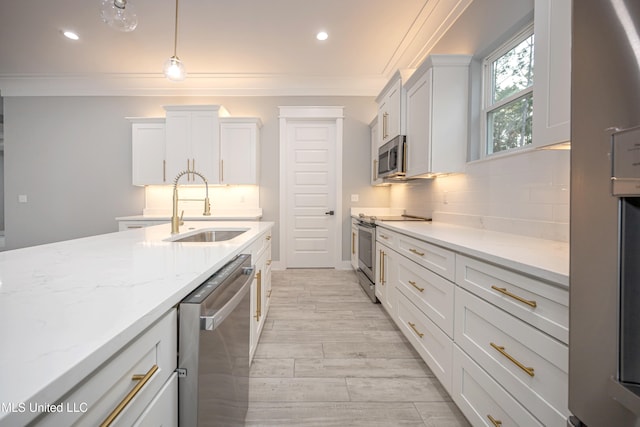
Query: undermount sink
209	235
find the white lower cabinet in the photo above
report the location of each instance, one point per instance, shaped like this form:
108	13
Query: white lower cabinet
496	338
481	399
123	388
260	288
532	366
435	347
163	409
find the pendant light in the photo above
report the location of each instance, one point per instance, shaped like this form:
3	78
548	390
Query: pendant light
174	68
119	14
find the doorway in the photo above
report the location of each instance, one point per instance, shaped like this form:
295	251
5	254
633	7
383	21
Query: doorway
311	187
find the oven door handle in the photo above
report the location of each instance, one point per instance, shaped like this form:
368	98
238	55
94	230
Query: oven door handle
210	323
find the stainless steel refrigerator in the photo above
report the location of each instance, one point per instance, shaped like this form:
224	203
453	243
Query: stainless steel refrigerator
604	324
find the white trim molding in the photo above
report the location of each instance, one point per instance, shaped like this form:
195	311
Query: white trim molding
311	113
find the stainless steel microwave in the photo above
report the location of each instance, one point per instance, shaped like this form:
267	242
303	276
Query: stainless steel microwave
391	159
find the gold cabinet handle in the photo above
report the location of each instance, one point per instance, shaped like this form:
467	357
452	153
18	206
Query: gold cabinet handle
375	170
269	294
353	242
164	171
415	251
384	237
413	326
382	268
504	291
269	262
412	283
496	423
501	350
221	170
142	380
268	237
385	125
259	296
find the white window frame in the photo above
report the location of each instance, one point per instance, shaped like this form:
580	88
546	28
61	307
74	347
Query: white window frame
487	81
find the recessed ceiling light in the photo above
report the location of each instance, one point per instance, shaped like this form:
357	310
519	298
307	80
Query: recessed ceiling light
322	35
71	35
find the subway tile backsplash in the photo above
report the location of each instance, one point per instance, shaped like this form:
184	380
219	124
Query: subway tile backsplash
526	193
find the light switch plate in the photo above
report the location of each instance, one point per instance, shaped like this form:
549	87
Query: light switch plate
22	198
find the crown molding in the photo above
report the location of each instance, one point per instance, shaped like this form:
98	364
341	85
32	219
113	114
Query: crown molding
193	85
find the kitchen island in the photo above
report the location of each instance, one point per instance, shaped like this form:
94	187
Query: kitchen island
67	308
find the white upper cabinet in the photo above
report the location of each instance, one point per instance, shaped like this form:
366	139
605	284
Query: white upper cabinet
391	104
193	142
552	72
239	150
375	144
437	116
147	151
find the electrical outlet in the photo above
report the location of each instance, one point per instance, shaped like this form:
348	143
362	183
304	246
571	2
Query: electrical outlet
355	197
22	198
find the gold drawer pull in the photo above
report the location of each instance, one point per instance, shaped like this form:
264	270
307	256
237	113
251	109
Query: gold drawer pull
269	262
416	252
269	294
412	283
384	237
353	243
413	326
268	237
382	268
142	380
496	423
258	296
504	291
500	349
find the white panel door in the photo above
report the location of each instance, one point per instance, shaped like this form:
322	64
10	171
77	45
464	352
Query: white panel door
311	194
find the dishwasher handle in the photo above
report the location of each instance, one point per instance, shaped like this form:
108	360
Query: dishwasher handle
210	323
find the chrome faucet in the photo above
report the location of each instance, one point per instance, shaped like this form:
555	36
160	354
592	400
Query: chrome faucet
177	221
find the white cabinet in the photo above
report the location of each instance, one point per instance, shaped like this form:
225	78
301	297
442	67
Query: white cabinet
386	277
552	71
163	409
391	104
354	243
193	142
124	388
239	150
436	116
375	144
147	151
514	327
260	288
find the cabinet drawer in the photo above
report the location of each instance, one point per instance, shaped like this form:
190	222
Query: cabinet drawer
481	399
260	245
440	261
432	294
540	304
109	385
529	364
433	345
386	237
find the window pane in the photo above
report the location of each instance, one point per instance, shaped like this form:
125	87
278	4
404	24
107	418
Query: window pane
513	71
510	125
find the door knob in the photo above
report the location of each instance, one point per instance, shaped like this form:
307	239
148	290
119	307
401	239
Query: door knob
329	213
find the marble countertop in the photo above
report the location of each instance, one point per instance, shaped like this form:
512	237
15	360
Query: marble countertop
66	307
546	259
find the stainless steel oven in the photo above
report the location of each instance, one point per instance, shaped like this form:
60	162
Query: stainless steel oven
366	257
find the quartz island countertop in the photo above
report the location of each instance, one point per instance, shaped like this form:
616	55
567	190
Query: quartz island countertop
67	307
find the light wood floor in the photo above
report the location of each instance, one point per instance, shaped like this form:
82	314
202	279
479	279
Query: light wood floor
328	356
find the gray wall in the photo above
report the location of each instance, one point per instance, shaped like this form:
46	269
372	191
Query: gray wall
71	156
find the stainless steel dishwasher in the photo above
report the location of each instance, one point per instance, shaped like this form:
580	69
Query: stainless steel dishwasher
213	348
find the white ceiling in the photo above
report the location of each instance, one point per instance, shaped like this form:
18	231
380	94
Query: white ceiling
234	47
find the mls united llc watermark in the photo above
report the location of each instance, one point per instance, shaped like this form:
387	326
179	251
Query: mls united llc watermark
32	407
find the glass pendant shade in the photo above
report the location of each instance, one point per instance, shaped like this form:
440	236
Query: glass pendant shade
174	69
119	14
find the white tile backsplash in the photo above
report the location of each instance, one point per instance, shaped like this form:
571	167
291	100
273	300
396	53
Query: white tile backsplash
224	199
525	193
